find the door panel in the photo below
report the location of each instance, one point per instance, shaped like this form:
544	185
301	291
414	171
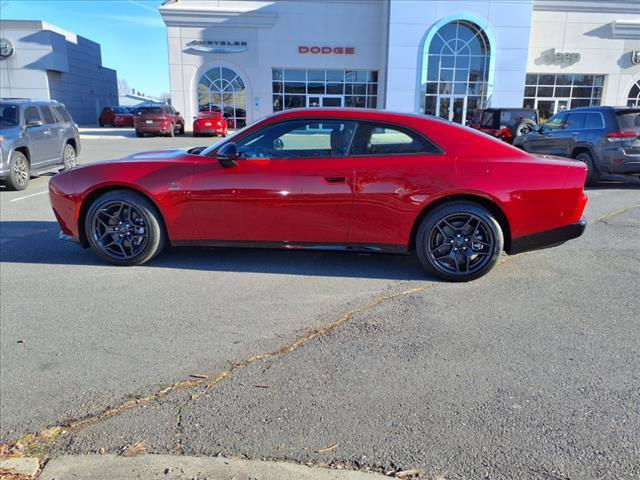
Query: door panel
294	184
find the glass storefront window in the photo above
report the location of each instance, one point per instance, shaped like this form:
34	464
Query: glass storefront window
220	89
550	94
299	88
455	72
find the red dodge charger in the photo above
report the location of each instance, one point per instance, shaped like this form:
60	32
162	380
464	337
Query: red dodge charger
362	180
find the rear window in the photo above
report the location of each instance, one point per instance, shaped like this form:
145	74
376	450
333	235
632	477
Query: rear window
61	113
47	114
120	110
510	118
489	120
150	111
9	115
629	120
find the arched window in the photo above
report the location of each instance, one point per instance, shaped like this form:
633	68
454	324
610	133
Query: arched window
633	99
222	90
456	71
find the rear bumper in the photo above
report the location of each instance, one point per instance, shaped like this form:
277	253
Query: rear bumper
152	129
547	238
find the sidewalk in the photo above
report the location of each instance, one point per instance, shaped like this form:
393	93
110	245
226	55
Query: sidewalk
169	467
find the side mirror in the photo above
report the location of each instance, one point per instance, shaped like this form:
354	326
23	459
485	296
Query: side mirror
177	113
34	123
228	155
278	144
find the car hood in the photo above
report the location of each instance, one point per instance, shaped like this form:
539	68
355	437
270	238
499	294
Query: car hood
157	155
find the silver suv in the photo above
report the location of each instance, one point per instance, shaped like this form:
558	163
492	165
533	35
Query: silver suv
36	136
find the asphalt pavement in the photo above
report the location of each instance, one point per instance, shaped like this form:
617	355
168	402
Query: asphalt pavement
529	372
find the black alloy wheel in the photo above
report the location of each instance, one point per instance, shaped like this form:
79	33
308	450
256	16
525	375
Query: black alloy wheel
459	241
124	228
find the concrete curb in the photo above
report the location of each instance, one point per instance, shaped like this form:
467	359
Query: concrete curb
168	467
28	466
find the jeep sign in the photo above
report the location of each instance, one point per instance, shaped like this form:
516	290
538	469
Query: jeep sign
558	58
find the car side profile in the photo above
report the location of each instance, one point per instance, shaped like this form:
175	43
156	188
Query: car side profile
158	120
348	179
36	136
605	139
116	117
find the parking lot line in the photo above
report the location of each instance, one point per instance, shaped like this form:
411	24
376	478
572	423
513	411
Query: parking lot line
28	196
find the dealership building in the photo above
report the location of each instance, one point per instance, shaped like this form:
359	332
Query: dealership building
446	58
41	60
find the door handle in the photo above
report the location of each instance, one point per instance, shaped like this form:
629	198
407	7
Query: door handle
575	133
336	179
47	132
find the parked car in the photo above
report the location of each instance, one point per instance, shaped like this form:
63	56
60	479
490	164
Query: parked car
160	120
350	179
605	139
116	117
505	123
210	123
36	136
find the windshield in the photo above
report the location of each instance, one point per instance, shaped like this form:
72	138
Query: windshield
9	115
120	110
629	120
150	111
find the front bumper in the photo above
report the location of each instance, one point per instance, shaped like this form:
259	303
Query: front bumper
547	238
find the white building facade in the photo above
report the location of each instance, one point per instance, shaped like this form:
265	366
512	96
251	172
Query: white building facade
448	58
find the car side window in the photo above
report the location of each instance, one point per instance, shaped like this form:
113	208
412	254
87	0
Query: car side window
299	139
555	122
575	120
381	139
47	114
593	120
61	113
31	114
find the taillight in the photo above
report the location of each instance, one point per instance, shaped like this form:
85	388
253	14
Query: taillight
621	136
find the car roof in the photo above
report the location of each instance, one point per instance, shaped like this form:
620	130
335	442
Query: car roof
29	101
355	113
509	109
596	108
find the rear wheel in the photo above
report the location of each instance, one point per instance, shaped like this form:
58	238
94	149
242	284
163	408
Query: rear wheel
593	175
69	158
522	128
459	241
124	228
139	134
19	172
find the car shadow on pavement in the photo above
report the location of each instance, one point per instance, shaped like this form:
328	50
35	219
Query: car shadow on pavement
36	242
117	132
616	182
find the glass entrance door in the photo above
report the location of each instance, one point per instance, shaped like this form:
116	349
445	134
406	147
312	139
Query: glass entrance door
324	101
452	108
550	106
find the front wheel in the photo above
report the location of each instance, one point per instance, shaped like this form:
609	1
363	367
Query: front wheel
19	172
69	158
181	131
124	228
459	241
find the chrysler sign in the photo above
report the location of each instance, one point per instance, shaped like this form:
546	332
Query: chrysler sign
217	46
327	50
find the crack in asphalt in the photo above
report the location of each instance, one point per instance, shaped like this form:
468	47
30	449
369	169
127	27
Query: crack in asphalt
35	443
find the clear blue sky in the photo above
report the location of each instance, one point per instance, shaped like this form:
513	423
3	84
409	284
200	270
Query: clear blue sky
131	33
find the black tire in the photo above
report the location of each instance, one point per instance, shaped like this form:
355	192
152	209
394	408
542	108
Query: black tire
69	157
19	172
477	240
181	131
101	125
139	134
593	175
138	215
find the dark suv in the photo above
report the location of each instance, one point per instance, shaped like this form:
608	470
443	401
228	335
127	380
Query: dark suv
158	120
36	136
604	138
504	123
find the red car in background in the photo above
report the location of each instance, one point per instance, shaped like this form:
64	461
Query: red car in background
350	179
115	117
505	123
158	120
210	123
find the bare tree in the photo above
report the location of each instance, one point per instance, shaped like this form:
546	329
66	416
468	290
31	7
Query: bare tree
123	87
